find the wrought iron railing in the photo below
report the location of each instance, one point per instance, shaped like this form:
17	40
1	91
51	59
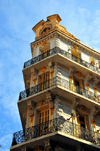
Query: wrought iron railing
38	88
60	82
64	53
54	125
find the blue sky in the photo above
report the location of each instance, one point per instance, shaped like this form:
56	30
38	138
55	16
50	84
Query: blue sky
81	18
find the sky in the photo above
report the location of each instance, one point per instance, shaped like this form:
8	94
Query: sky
17	17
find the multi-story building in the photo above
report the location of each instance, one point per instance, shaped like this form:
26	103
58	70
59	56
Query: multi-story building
60	106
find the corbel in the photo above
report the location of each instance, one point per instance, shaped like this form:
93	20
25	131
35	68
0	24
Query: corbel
88	76
96	80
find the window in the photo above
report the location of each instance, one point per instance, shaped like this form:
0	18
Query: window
43	116
44	81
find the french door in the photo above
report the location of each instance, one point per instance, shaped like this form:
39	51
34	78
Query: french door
43	122
44	81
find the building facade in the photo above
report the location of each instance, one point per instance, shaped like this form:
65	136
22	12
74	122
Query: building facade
60	106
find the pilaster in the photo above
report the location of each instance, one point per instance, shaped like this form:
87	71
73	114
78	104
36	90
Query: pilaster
30	110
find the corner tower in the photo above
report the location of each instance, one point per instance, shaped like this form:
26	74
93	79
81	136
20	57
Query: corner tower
60	106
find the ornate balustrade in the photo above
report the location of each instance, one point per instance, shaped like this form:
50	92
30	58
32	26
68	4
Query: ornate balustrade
64	53
60	82
54	125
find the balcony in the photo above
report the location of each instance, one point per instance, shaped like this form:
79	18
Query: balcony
63	83
68	55
55	125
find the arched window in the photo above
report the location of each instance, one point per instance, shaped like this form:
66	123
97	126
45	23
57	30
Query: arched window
45	31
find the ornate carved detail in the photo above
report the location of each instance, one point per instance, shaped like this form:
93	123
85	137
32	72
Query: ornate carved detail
89	76
48	96
72	70
44	102
94	110
43	69
45	29
50	64
96	80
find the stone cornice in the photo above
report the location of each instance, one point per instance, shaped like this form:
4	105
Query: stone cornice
62	36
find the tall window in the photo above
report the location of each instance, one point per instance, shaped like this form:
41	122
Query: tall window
44	81
43	116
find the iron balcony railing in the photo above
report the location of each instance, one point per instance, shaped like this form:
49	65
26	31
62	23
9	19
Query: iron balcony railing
57	124
59	81
64	53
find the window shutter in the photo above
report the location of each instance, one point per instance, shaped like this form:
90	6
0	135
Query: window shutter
94	125
34	82
78	124
81	83
95	90
31	120
51	113
87	84
74	122
86	122
51	74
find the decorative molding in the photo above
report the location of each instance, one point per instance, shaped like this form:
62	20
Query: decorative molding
44	102
50	64
43	69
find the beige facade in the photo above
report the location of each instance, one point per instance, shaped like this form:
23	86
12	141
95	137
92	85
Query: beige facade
60	106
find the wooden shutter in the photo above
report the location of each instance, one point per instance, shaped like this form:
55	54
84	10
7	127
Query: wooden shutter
51	113
70	78
87	84
34	82
86	121
95	90
31	120
51	74
81	83
71	85
95	131
94	125
78	125
74	122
